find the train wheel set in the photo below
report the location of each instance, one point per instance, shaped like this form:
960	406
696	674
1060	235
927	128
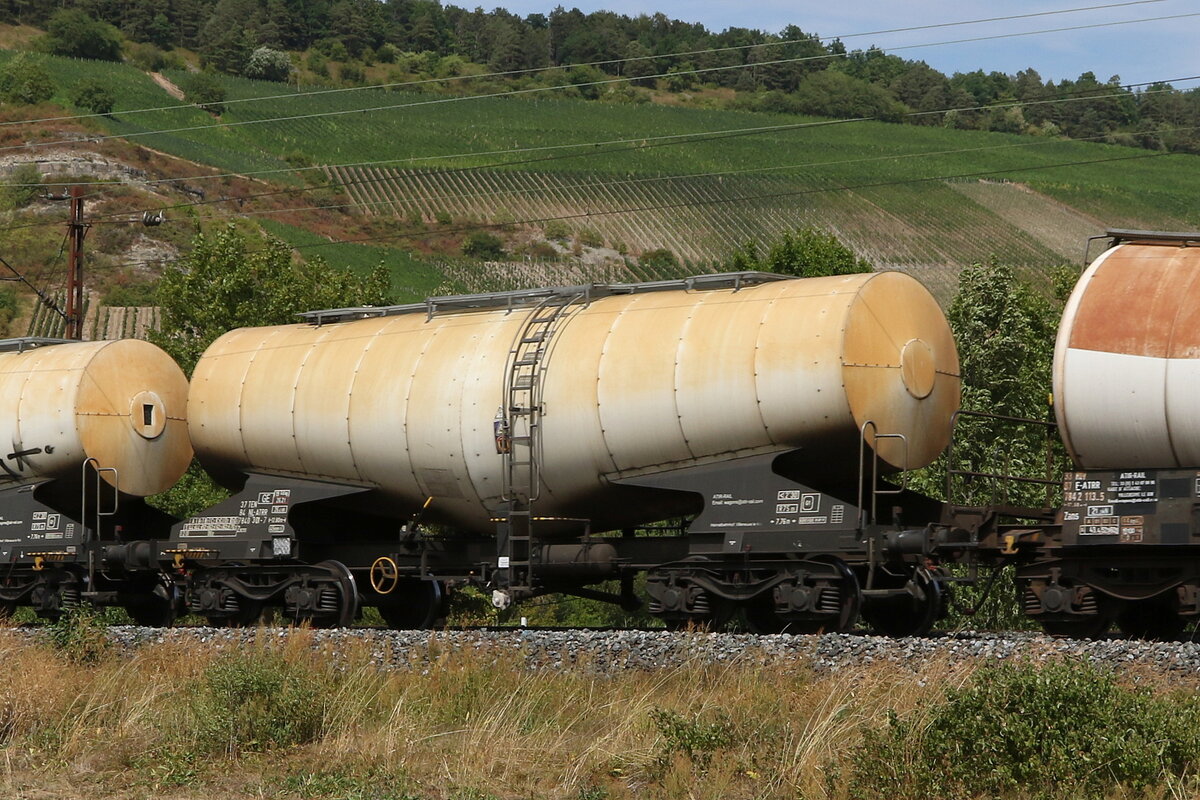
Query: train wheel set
527	443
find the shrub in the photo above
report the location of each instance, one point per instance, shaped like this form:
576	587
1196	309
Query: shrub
203	89
256	701
351	73
23	186
80	635
24	79
268	65
146	56
658	261
71	32
94	96
691	736
317	65
557	230
1059	730
591	238
481	244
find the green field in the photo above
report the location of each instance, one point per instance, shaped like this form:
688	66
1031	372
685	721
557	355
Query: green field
922	199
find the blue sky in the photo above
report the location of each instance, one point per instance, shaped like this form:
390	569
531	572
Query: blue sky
1147	51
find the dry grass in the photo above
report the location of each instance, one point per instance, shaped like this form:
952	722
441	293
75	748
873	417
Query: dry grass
452	725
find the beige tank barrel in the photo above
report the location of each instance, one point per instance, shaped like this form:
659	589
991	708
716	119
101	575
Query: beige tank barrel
1127	359
122	403
633	384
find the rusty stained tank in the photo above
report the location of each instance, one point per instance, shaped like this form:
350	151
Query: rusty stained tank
123	403
1127	358
635	382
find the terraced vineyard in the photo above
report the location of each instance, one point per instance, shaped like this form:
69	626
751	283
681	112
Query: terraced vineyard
702	218
924	199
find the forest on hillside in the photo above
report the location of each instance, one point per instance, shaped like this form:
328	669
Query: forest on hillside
792	71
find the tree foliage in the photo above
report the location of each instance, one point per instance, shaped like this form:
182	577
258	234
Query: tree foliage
24	80
72	32
268	65
222	284
1004	329
805	253
206	91
94	96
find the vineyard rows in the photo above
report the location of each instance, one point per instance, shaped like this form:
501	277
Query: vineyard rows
702	219
99	322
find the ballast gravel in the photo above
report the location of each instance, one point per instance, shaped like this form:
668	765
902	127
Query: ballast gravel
608	651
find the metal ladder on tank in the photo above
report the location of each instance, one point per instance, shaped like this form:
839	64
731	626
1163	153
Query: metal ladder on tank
522	413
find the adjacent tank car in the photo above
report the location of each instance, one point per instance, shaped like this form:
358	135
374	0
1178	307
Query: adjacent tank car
386	454
1126	382
89	428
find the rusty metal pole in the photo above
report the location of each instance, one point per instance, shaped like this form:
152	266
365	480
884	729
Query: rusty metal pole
76	229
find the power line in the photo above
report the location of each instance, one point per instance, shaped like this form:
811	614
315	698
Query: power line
639	144
680	54
585	84
699	203
656	178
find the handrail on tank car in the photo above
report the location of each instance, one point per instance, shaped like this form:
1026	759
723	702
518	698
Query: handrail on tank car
522	298
862	468
951	471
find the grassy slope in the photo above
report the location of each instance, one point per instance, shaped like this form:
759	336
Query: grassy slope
844	177
412	278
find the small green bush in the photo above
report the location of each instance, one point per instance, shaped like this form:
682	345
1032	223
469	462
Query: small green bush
1057	730
203	89
80	635
94	96
557	230
257	700
693	737
481	244
22	186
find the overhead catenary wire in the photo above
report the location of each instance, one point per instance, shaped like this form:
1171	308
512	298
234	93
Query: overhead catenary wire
584	84
534	70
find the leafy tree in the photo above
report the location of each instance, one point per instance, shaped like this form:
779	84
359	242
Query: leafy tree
806	253
222	285
94	96
72	32
206	91
268	65
25	80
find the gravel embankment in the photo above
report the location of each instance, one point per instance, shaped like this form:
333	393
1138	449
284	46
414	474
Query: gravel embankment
606	651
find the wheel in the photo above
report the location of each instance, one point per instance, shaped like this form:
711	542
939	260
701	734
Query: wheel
247	615
911	614
761	617
849	596
1154	620
347	600
414	604
720	611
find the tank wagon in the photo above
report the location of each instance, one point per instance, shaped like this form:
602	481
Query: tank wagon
522	441
89	428
1126	382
